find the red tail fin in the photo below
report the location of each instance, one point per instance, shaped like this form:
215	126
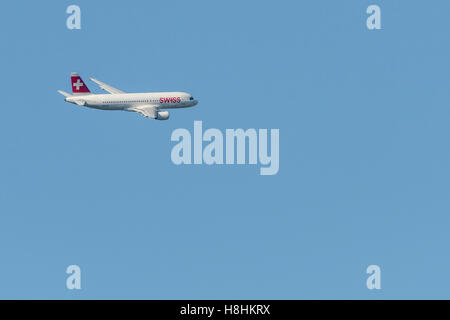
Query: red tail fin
78	85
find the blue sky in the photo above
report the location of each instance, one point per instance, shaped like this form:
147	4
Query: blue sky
364	158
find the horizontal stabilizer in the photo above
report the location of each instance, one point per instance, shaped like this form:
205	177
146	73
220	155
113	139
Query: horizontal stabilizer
65	94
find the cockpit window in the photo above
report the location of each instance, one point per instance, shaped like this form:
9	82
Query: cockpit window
191	98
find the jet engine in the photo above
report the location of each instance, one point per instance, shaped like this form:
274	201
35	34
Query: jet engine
162	115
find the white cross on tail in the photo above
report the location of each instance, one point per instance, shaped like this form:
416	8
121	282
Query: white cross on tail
78	84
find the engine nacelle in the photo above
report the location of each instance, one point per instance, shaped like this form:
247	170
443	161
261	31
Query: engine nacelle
162	115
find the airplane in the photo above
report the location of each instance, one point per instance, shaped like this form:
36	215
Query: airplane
150	104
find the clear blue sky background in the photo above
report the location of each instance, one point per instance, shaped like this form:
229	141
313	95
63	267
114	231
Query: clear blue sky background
364	153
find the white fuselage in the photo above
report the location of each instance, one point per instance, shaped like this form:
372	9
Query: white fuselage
126	101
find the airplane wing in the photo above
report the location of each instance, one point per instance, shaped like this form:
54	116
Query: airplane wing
148	111
106	87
